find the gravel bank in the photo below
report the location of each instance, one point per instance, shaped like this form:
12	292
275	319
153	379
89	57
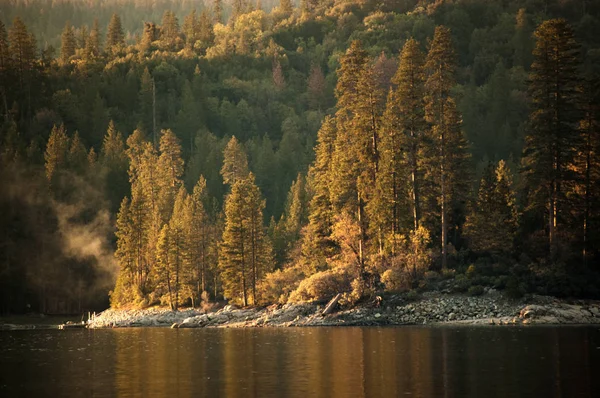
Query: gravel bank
432	308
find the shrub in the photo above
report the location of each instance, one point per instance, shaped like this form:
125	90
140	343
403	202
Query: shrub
476	290
431	276
412	295
397	280
513	288
323	285
471	271
277	286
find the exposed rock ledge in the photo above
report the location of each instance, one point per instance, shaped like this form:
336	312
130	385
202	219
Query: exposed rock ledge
433	308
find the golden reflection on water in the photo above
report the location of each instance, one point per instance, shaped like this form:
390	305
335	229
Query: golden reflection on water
352	362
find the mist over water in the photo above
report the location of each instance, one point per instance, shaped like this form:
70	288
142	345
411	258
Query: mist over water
58	257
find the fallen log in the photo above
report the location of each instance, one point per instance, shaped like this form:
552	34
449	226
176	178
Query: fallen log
331	305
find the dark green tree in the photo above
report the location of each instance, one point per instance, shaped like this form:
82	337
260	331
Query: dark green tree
552	140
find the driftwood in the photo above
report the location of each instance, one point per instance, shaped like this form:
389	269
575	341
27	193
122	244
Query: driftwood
331	305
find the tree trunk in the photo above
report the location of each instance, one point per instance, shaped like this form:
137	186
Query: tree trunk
414	183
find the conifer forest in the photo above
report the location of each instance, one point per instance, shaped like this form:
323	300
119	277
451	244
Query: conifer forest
181	152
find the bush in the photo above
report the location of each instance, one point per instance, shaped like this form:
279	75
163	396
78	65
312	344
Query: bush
513	288
476	290
277	286
471	271
461	284
323	285
397	280
412	295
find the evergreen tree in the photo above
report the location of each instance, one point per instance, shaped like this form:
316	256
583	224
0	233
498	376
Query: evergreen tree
286	7
114	163
125	255
492	224
191	29
448	150
218	11
68	44
56	152
588	168
205	31
22	49
356	155
235	162
170	171
233	253
403	128
115	39
93	44
146	101
170	31
317	244
552	140
198	239
149	35
77	156
245	253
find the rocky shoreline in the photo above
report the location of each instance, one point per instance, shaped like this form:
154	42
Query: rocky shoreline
431	309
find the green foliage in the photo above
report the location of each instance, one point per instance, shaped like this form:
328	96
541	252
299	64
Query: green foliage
476	290
391	159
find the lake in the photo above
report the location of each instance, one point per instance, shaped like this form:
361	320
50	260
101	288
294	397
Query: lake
302	362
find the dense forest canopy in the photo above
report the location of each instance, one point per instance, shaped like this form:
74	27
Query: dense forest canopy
265	152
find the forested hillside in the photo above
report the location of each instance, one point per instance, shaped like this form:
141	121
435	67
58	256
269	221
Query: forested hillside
272	152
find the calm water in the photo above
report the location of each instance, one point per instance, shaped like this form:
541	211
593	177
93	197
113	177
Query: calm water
307	362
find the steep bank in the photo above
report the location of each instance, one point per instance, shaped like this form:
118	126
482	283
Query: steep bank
432	308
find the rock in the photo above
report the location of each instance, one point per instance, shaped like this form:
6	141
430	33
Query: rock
377	315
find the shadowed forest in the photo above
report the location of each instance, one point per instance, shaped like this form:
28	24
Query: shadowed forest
182	152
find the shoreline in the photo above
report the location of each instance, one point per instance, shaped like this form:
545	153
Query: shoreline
432	308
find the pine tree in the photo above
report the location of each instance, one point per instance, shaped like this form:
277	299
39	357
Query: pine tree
205	30
356	155
170	171
170	30
245	253
56	152
68	44
233	253
552	139
191	29
125	255
218	11
286	7
149	35
115	39
166	275
140	216
445	134
316	87
403	128
492	224
93	45
22	49
145	99
113	159
4	50
198	238
235	162
316	243
588	168
77	156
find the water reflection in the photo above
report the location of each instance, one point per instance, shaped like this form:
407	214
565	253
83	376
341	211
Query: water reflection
319	362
